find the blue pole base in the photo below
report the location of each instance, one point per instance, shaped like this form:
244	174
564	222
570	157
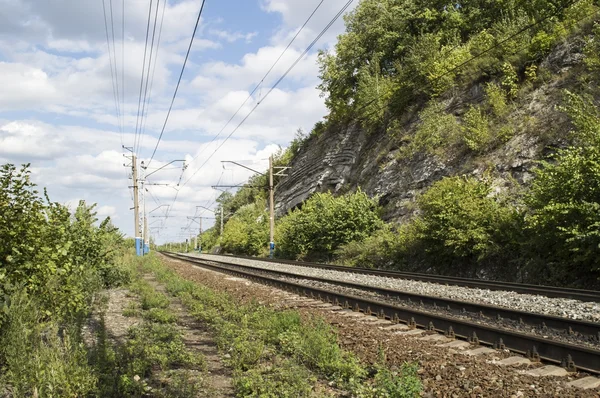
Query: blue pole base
138	246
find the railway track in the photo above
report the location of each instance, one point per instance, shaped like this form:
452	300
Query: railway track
570	355
548	291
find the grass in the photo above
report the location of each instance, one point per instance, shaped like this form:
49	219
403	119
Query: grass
153	360
279	353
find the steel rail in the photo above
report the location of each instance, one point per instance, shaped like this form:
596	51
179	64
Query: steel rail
548	291
569	355
590	330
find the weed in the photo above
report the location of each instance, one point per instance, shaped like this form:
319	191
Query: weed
132	310
159	315
280	380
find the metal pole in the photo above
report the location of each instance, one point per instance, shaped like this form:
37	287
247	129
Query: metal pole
136	209
221	220
271	209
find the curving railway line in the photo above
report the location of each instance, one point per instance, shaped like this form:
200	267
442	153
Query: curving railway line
572	343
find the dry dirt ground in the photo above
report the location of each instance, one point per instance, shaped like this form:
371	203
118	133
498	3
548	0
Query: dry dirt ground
445	372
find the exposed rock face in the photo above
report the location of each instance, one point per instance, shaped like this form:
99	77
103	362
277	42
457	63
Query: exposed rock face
347	157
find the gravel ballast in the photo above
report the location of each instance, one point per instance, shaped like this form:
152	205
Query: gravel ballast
562	307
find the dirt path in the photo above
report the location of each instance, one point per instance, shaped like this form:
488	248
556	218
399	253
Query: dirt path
197	337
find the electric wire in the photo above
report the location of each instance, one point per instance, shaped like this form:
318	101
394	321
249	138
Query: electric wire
142	78
261	80
114	57
310	46
148	72
153	71
178	81
117	110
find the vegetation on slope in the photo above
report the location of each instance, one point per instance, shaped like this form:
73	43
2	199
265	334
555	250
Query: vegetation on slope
400	58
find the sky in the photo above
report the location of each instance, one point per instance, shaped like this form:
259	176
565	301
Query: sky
58	109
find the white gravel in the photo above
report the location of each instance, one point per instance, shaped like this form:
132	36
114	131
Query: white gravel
566	308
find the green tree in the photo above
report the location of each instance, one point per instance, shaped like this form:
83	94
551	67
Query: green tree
247	231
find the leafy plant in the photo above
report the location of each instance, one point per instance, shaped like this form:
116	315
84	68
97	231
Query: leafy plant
476	133
324	223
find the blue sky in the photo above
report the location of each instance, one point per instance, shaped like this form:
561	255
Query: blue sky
57	108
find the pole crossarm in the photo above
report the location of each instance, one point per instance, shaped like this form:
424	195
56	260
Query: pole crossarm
160	168
241	165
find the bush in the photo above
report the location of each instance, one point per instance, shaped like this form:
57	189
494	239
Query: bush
564	223
467	231
476	132
247	231
324	223
40	358
436	132
388	247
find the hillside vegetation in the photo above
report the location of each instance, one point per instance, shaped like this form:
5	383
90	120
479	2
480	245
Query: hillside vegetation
404	73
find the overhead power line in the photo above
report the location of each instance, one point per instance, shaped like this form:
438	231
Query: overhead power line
112	72
261	80
162	18
300	57
141	132
142	78
335	18
178	81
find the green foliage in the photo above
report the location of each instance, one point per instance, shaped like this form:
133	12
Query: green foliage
592	49
284	379
476	130
509	80
496	100
324	223
385	248
160	315
462	225
397	50
564	223
278	353
247	231
403	383
437	131
49	252
39	357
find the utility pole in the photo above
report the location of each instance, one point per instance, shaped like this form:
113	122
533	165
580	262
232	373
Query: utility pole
221	221
271	209
136	208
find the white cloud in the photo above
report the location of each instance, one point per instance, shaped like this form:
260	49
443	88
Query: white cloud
233	36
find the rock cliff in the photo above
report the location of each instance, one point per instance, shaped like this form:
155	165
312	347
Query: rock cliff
346	157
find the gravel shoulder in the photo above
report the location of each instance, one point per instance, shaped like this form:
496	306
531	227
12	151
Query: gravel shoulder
561	307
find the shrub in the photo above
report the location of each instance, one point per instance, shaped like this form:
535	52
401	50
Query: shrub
40	358
247	231
564	223
496	100
324	223
465	230
476	132
436	132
